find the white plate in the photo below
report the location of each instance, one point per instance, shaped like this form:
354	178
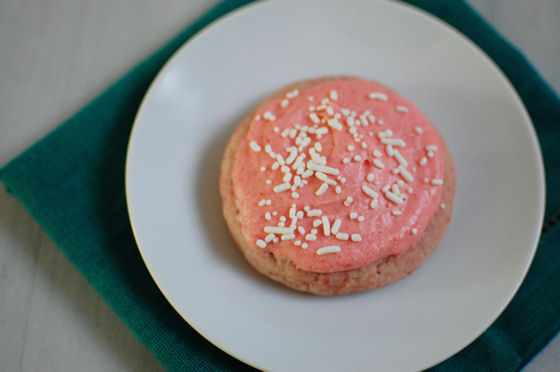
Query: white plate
211	83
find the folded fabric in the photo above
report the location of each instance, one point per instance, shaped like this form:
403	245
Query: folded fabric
72	183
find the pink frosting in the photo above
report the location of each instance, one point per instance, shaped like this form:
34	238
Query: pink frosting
383	231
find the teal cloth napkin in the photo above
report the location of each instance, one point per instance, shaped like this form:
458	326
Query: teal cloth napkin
72	183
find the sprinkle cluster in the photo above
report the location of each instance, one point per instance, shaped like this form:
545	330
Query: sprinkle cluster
303	161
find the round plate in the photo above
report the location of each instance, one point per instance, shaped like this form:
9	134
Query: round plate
213	81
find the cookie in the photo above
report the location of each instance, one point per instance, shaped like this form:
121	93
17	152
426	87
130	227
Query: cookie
336	185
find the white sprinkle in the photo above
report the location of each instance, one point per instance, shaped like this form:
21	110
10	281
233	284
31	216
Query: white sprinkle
378	164
278	230
364	145
299	215
263	169
357	158
350	121
328	249
314	118
363	121
298	161
345	161
333	95
326	226
305	142
423	161
295	195
255	146
311	108
353	215
402	109
369	192
269	238
322	189
281	187
268	202
378	95
386	188
342	180
292	94
341	236
282	218
284	103
414	230
370	177
307	173
418	130
348	201
373	203
371	119
393	198
269	116
321	131
314	231
400	158
356	238
301	230
431	148
318	222
345	111
353	130
437	181
297	242
430	154
304	246
350	148
310	98
285	132
393	141
267	216
262	203
287	237
293	154
318	146
287	177
276	130
361	219
330	111
335	226
310	237
395	189
442	205
293	133
280	159
322	168
314	212
274	213
405	174
297	181
333	123
338	189
257	117
377	153
426	180
389	150
409	190
261	243
396	212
